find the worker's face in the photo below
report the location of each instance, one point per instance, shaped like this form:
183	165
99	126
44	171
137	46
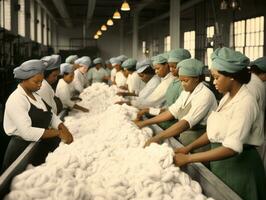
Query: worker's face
222	83
126	72
84	69
118	67
52	78
145	77
173	69
109	66
98	66
161	69
262	77
189	83
76	66
69	77
34	83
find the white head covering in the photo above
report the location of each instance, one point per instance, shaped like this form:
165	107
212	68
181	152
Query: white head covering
115	61
97	61
85	60
142	65
53	61
29	69
66	68
71	59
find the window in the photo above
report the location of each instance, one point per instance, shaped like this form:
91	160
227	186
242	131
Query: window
21	18
32	20
143	47
189	42
44	28
155	47
39	24
249	37
167	43
6	14
210	34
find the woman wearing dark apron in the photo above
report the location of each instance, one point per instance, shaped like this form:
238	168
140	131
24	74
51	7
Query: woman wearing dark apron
234	130
51	74
28	118
191	109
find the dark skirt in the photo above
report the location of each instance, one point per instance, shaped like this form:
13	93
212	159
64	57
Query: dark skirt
17	145
243	173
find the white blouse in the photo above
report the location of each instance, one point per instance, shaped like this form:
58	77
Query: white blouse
157	97
64	93
120	79
80	81
16	117
236	123
134	82
47	94
203	102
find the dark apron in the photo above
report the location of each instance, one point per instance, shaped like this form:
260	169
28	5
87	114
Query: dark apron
39	119
243	173
193	133
59	105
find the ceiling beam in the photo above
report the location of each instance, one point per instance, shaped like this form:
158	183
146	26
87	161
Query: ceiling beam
91	8
61	7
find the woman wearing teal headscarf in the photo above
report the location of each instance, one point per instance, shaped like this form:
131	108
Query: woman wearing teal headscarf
191	109
234	130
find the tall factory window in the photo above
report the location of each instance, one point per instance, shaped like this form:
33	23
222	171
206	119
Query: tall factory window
44	28
249	37
32	20
143	47
39	24
210	34
21	17
5	14
189	42
167	43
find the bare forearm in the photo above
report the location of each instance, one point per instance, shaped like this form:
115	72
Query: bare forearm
50	133
201	141
159	118
174	130
212	155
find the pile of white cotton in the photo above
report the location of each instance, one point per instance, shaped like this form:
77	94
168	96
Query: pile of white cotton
106	160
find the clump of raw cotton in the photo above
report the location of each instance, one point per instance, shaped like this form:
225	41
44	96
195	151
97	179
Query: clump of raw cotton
106	161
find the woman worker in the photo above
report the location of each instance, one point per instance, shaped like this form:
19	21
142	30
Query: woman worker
234	130
28	118
192	108
63	89
46	91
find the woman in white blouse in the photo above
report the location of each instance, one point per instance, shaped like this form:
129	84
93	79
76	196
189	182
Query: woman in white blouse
191	109
28	118
64	88
50	77
234	130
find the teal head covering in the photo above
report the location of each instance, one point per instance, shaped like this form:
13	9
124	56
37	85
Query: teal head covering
71	59
115	61
190	67
53	62
159	59
122	58
97	61
142	65
260	63
66	68
228	60
85	60
29	69
178	55
130	63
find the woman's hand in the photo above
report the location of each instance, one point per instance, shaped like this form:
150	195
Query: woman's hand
142	112
65	136
140	124
184	150
151	140
181	159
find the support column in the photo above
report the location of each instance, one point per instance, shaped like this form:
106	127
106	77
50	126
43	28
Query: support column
135	40
175	23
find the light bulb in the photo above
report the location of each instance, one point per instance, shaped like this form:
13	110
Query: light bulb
125	6
117	15
110	22
104	28
99	32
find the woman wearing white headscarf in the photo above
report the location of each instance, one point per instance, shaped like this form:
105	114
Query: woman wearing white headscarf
28	118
